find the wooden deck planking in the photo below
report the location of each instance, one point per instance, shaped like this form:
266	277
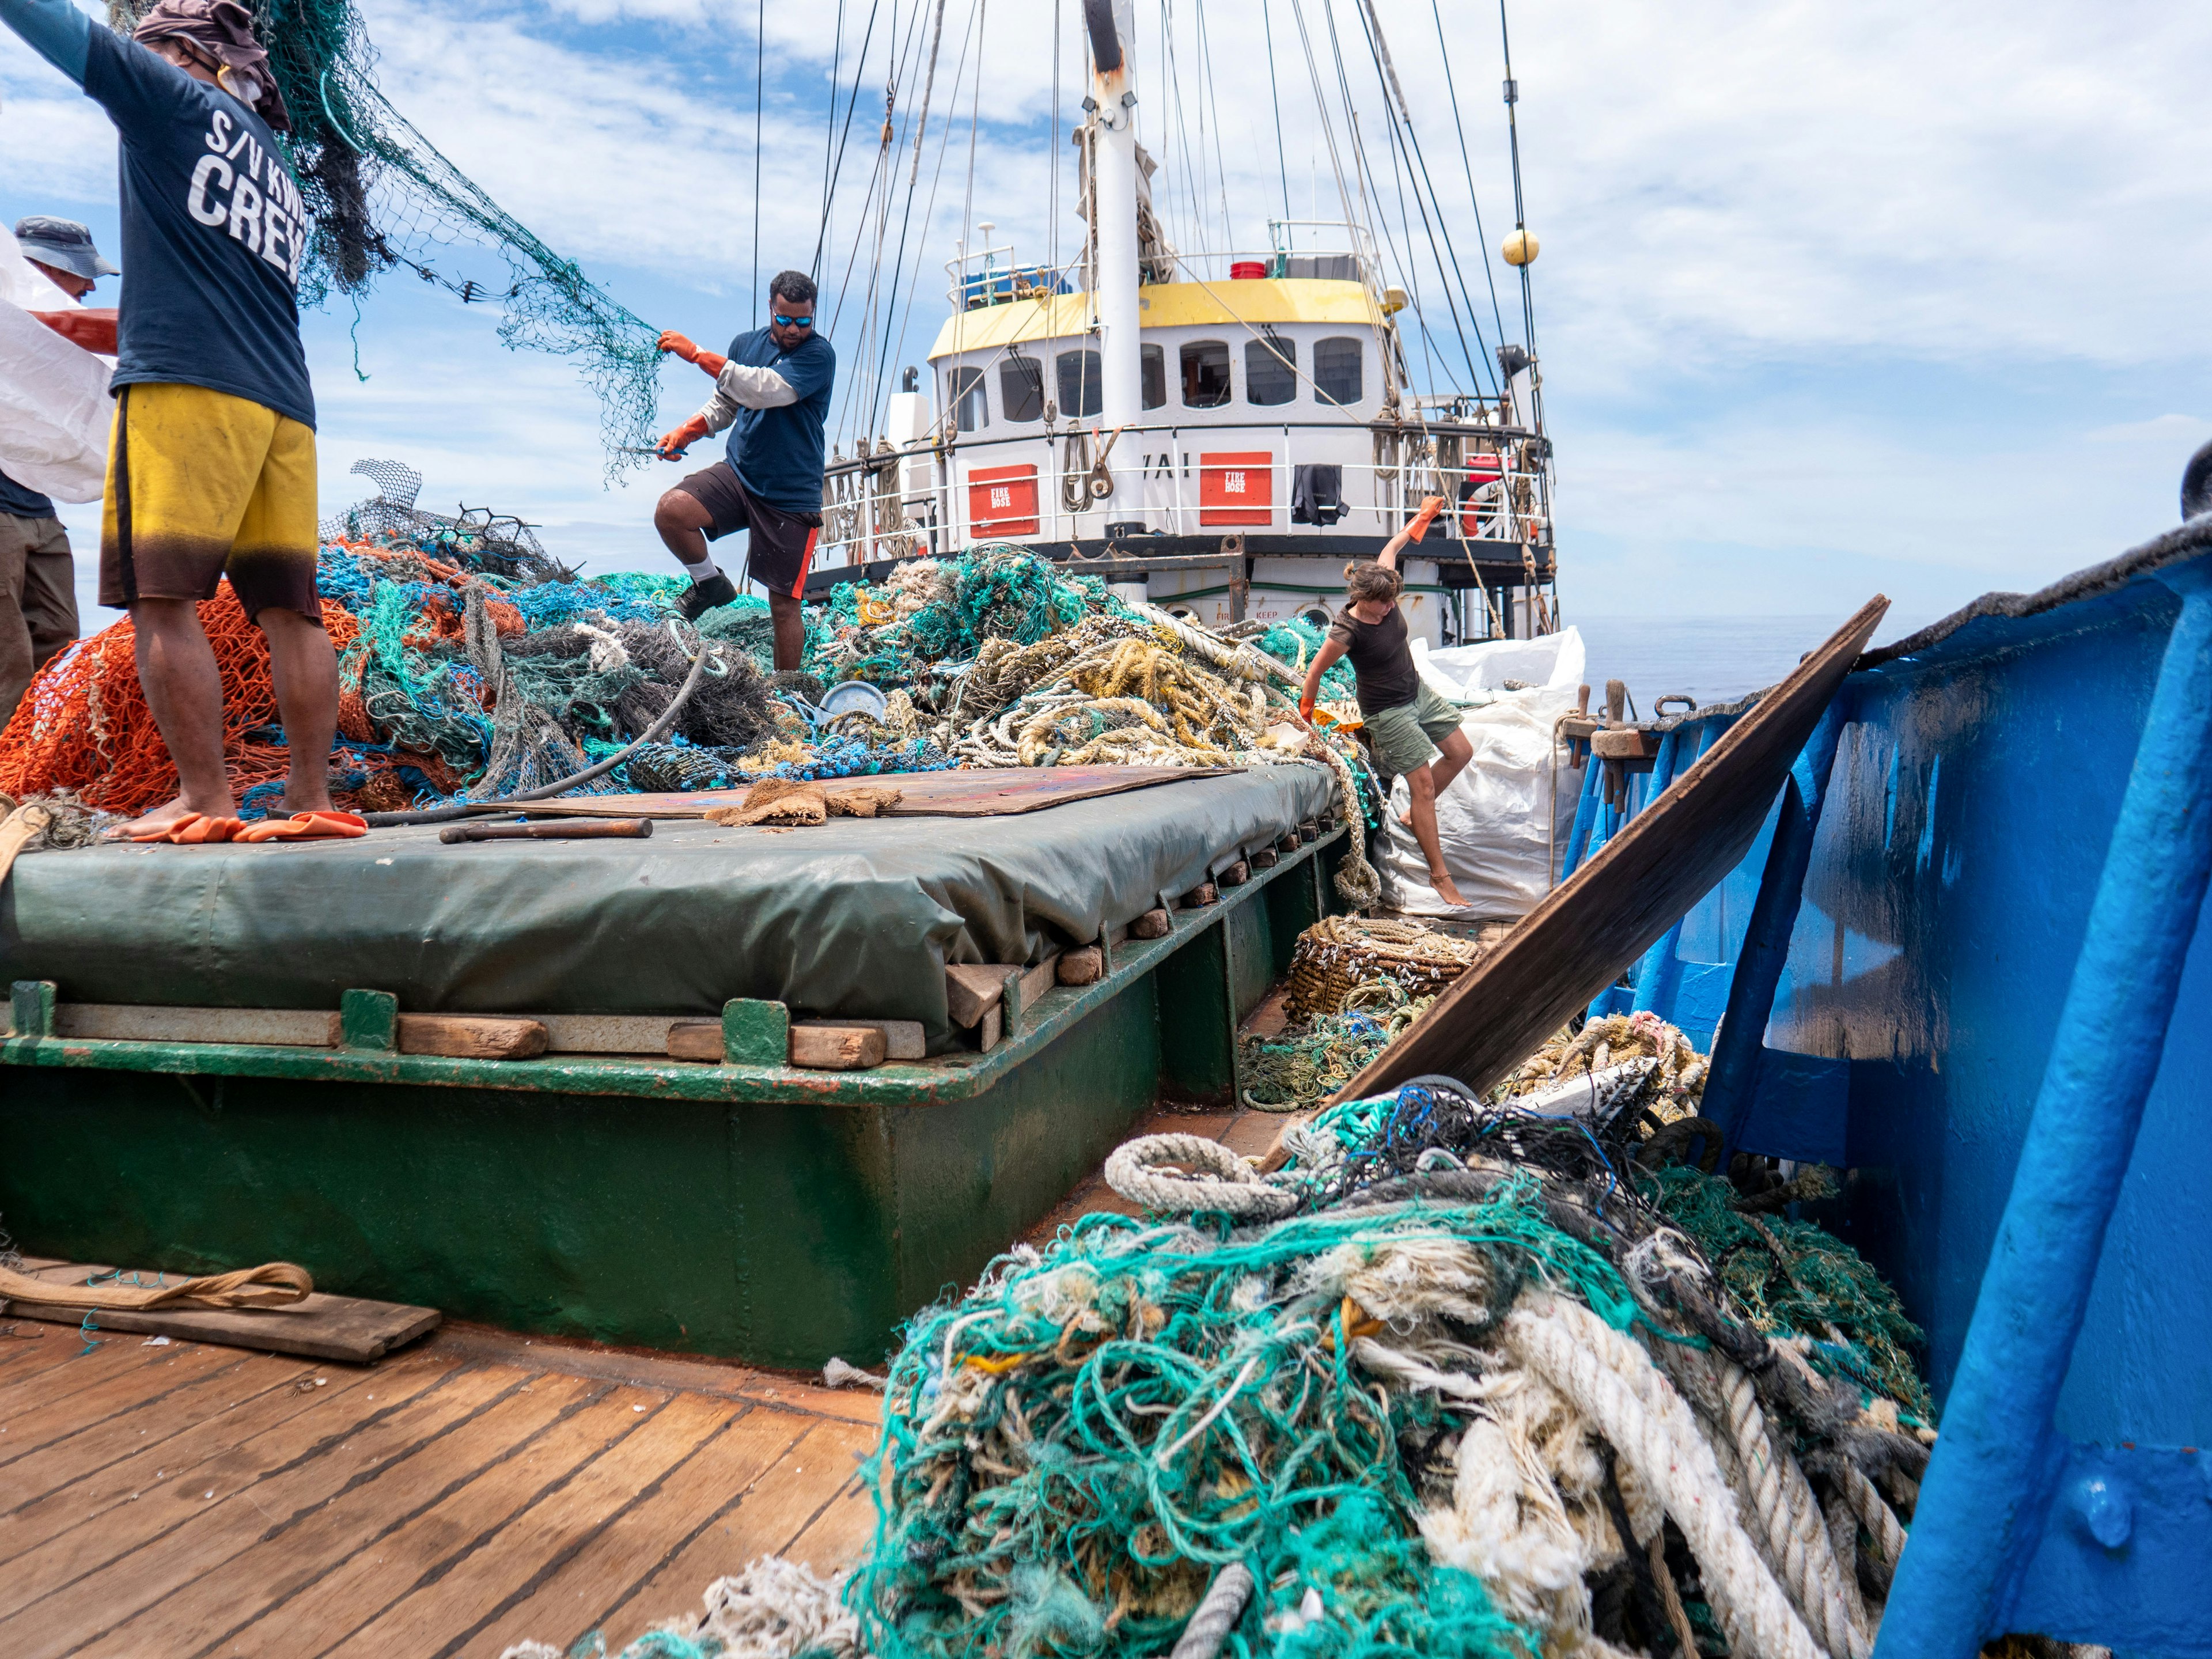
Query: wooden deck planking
841	1534
584	1591
764	1520
191	1500
392	1563
340	1504
181	1566
74	1457
498	1572
59	1538
115	1356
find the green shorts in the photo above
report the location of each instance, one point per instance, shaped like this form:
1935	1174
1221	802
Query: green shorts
1406	737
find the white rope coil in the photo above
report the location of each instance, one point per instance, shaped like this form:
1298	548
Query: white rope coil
1184	1174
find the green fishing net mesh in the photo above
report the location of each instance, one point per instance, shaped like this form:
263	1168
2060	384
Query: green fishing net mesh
385	199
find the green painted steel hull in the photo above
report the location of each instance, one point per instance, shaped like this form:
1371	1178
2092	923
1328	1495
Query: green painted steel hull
775	1215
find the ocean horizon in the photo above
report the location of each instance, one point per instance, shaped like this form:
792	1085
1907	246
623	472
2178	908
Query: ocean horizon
1711	659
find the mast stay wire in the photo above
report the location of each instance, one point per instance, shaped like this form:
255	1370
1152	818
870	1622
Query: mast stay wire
1431	358
1336	170
837	171
1395	93
1209	93
879	404
829	128
929	210
1275	97
1052	156
1467	166
760	82
1363	175
1520	210
873	203
863	398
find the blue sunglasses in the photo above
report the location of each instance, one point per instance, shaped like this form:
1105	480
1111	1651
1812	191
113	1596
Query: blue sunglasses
792	322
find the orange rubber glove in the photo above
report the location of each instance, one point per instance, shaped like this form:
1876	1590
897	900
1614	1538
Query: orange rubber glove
305	826
195	829
672	448
1427	516
712	361
1306	706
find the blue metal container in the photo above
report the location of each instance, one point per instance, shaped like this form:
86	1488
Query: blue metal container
1967	962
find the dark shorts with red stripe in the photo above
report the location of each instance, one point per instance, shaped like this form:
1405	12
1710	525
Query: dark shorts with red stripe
783	543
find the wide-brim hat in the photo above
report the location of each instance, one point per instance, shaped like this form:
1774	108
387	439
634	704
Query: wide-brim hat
63	244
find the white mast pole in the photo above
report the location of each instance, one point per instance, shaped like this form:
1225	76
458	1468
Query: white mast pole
1112	25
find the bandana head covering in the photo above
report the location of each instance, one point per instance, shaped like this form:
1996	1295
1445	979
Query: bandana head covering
221	30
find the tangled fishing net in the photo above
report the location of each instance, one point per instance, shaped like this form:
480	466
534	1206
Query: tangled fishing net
473	664
1302	1065
383	198
1461	1377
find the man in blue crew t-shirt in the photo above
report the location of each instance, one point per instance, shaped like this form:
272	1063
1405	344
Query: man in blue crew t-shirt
773	392
211	463
38	577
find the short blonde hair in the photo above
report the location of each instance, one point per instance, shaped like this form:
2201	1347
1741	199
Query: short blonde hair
1369	580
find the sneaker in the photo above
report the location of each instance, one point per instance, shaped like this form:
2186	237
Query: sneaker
716	590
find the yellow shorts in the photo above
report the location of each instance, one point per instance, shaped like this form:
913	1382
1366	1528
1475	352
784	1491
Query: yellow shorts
202	485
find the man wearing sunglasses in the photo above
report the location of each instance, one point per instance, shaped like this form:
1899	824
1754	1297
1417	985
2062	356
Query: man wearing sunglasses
773	392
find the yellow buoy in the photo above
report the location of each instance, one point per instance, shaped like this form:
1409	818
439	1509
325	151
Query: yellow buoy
1520	248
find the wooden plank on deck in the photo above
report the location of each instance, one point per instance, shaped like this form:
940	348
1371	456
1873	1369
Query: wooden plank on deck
603	1576
177	1593
223	1446
764	1521
484	1582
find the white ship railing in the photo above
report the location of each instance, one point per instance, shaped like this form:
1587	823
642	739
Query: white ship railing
873	514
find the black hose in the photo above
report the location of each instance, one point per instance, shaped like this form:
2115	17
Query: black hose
545	791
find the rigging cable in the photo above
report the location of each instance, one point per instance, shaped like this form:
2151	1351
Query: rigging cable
760	82
1344	197
906	216
862	398
1467	166
1275	96
1394	93
1520	210
830	132
1212	95
1390	342
929	211
1431	358
837	172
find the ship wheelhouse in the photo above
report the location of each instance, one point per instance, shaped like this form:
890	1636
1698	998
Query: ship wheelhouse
1277	440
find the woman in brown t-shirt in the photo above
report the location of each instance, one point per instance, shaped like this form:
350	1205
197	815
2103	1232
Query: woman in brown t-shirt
1415	732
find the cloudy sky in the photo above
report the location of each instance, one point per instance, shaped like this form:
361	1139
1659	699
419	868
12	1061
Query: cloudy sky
1832	298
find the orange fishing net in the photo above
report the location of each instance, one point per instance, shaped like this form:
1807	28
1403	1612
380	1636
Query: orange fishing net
84	723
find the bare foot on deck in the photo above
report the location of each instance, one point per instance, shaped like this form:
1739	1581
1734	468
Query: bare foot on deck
165	817
1444	889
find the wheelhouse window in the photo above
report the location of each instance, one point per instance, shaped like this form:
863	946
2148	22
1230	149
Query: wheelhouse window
1206	374
1021	389
1271	371
1339	369
1155	376
965	388
1079	383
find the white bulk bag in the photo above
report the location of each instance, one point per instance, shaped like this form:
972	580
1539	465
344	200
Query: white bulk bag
1503	820
54	407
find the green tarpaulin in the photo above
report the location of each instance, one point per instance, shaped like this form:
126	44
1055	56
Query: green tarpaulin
854	917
